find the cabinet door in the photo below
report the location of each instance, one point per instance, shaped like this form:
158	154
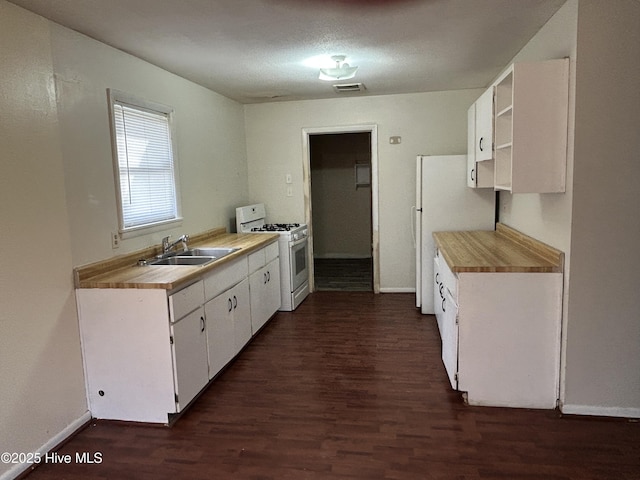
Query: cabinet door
264	286
220	332
241	315
484	127
438	294
273	299
480	163
189	357
449	334
471	147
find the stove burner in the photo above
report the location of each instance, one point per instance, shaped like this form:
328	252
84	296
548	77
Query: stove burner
276	227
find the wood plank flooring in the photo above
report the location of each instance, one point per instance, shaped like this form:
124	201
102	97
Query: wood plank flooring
351	386
344	274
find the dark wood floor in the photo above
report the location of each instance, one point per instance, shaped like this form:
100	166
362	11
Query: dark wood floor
343	274
350	386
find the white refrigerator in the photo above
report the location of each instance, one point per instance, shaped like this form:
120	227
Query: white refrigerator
444	203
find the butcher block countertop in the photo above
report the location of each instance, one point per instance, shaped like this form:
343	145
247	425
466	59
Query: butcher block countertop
124	272
502	250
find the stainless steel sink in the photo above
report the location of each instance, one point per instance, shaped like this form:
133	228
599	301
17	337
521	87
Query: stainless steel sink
217	252
183	260
193	256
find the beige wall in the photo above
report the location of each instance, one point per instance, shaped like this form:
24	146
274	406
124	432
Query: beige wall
429	123
58	202
547	217
595	222
210	140
603	327
41	377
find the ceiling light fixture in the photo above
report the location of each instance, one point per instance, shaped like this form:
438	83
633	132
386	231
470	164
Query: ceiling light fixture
342	70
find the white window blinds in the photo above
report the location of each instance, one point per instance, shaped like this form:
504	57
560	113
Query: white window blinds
145	166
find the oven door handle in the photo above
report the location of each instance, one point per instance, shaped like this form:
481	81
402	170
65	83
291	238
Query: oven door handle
298	242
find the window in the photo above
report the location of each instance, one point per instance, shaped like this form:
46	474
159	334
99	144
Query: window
144	164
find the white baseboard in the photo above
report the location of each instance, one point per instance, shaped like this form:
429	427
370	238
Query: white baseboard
397	290
600	411
56	440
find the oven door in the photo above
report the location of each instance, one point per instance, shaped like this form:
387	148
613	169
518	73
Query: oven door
298	255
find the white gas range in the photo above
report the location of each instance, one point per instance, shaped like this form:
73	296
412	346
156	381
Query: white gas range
292	243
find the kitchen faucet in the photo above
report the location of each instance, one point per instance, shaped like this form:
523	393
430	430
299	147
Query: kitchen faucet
166	246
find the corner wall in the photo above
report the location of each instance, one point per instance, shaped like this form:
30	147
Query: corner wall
41	377
603	325
595	222
210	144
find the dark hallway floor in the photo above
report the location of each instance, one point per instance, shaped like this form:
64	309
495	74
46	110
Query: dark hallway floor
343	274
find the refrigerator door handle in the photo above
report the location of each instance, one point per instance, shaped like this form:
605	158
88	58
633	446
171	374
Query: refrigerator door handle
413	223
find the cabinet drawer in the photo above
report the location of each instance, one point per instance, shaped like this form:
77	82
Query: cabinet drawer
260	258
257	260
186	301
271	252
225	277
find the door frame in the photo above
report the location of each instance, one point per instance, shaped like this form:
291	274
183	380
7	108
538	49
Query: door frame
306	179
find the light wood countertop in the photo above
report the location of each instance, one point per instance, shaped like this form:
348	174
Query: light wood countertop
124	272
502	250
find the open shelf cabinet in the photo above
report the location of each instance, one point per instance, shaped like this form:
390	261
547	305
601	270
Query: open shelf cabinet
531	113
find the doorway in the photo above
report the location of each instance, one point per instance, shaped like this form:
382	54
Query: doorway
341	208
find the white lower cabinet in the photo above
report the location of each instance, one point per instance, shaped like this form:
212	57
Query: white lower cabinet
264	285
449	334
501	335
127	354
446	310
228	325
242	315
189	342
148	352
438	293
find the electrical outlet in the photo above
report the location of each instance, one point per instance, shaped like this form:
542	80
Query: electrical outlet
287	178
115	240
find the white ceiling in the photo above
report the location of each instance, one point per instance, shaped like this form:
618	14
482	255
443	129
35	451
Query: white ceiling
267	50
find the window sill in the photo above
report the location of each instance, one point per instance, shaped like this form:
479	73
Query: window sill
147	229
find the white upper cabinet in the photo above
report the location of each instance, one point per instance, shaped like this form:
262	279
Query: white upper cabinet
531	105
480	142
484	126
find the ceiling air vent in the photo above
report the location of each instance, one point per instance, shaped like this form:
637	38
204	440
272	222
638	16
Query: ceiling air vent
349	87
